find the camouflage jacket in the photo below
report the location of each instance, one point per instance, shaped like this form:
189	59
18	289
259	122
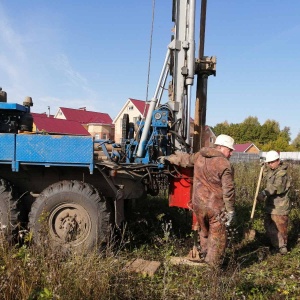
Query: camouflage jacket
276	187
213	185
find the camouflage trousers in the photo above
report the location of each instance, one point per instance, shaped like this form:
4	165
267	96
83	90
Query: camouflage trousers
276	227
213	236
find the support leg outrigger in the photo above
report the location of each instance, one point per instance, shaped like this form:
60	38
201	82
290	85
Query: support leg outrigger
119	199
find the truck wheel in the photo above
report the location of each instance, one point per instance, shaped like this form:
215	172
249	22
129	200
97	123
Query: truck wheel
73	214
8	210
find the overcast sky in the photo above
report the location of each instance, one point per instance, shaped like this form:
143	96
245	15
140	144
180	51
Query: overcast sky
96	53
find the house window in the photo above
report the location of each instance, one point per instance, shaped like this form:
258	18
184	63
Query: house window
104	136
97	137
130	107
211	139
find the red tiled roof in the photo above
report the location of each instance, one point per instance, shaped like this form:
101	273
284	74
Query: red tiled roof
140	105
242	147
85	116
41	115
58	126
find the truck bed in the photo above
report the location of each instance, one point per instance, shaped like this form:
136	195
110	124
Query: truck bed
46	150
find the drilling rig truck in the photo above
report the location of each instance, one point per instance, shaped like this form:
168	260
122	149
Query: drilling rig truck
78	185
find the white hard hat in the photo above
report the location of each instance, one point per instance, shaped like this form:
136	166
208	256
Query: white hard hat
271	156
225	140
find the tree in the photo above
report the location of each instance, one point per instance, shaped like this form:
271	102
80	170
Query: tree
250	129
286	133
222	128
280	144
296	142
269	131
266	137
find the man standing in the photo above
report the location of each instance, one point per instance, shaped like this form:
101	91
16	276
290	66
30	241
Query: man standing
277	202
213	195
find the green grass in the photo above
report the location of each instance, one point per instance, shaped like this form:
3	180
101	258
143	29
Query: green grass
158	232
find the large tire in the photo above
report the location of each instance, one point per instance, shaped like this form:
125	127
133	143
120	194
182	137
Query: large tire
8	210
73	214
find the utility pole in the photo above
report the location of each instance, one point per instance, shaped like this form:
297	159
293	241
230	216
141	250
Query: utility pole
205	66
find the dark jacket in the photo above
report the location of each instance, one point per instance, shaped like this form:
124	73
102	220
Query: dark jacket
277	185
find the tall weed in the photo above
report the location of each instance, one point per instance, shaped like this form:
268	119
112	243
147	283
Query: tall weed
157	232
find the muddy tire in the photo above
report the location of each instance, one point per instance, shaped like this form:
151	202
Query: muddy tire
8	210
71	214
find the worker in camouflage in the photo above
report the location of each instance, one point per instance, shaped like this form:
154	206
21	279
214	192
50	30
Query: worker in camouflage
213	195
277	203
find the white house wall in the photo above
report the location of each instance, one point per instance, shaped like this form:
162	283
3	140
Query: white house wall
133	112
60	115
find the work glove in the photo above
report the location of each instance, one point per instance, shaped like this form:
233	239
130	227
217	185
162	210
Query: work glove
262	164
190	205
173	159
231	218
261	196
222	216
162	159
179	159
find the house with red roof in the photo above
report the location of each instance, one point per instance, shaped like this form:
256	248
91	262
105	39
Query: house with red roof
246	148
138	109
135	109
99	125
209	136
48	124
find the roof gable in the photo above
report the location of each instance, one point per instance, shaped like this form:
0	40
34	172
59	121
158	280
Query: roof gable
58	126
208	128
85	116
141	105
243	147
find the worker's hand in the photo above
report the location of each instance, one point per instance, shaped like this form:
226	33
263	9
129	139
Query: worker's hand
222	216
162	159
173	159
231	218
179	158
190	205
261	196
